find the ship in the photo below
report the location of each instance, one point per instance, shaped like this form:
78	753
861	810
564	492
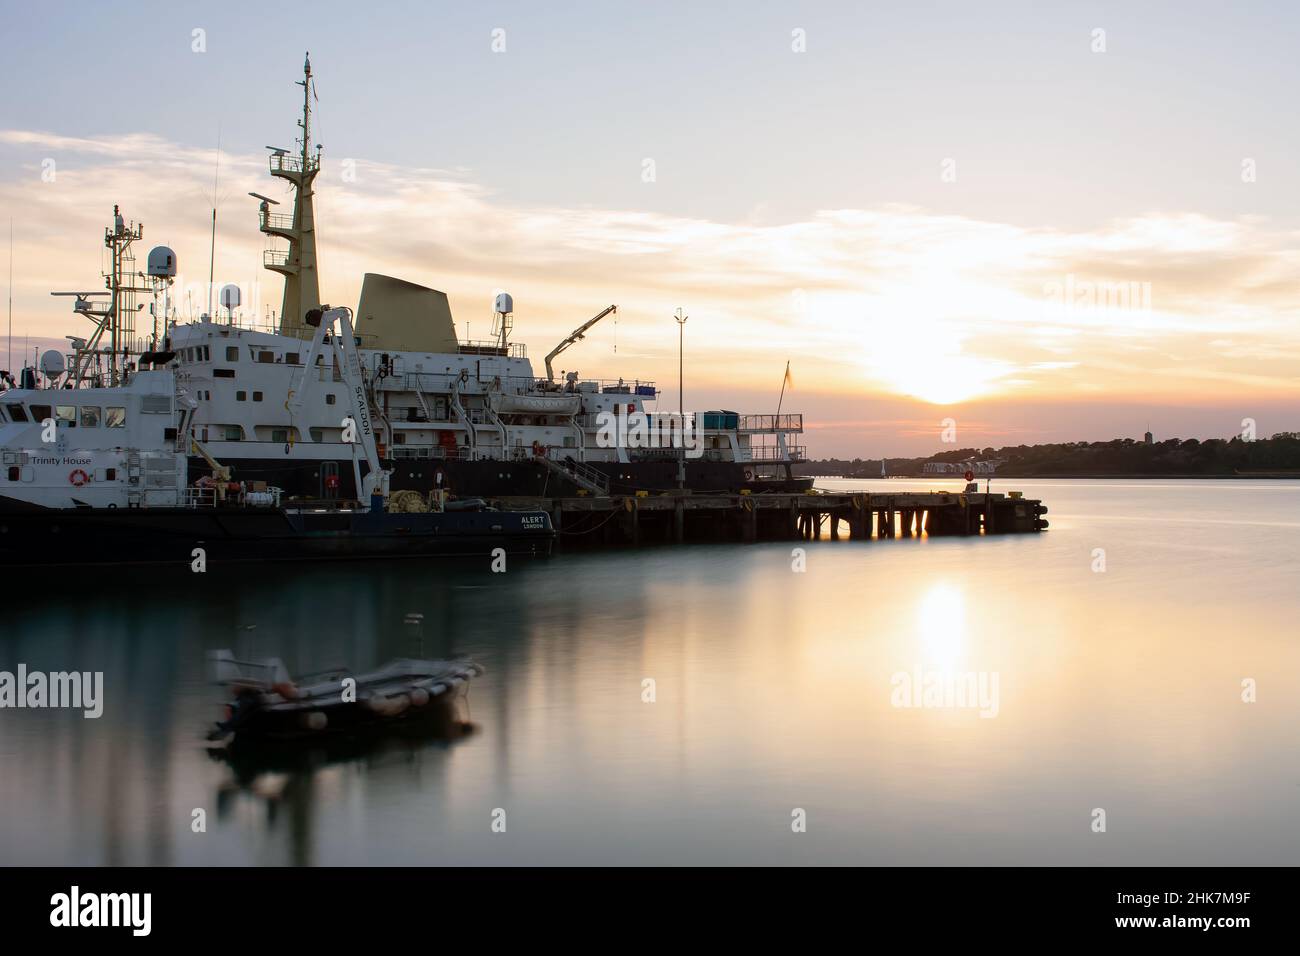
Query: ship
274	409
473	416
101	474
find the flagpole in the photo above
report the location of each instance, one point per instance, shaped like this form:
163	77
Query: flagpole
785	378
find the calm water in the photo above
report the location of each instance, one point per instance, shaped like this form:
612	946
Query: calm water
1118	690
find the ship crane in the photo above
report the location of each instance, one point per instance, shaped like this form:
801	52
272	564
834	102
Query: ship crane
574	336
348	361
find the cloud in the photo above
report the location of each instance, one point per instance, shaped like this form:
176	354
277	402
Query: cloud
883	304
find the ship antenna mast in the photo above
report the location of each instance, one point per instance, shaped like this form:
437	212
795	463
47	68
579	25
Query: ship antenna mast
305	122
297	263
9	351
212	249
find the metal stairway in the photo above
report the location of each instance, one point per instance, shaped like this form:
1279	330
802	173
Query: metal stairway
584	476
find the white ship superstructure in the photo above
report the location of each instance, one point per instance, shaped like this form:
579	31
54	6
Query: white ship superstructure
110	447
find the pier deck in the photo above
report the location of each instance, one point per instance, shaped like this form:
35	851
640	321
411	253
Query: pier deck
677	518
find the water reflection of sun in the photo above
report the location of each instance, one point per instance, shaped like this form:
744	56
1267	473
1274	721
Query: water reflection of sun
941	626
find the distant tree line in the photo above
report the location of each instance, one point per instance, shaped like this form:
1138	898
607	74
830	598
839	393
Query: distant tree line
1121	456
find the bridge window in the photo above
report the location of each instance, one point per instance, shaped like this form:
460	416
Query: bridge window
317	434
232	353
257	396
279	434
267	357
291	358
40	412
66	415
234	433
17	413
114	416
89	416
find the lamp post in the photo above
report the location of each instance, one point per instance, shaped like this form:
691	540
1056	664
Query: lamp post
681	341
681	402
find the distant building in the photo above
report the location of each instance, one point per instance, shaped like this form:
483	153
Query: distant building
1148	439
961	467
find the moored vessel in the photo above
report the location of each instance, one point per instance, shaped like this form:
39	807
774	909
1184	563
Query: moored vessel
263	440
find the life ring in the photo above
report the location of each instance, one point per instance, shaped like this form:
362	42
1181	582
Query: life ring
749	474
78	478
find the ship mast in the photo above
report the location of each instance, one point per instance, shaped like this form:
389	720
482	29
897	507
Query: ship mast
298	263
114	319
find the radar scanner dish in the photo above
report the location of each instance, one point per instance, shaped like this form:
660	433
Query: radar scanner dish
230	296
52	363
162	263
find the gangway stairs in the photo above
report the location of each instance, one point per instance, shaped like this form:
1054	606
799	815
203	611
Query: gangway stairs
584	476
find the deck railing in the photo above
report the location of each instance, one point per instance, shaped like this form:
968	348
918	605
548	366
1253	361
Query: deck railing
272	220
773	453
772	423
284	163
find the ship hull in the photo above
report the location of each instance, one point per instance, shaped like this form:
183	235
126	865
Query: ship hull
497	479
42	536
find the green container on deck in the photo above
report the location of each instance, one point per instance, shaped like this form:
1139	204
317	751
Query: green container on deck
721	420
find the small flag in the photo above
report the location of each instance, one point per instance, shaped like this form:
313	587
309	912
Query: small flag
789	380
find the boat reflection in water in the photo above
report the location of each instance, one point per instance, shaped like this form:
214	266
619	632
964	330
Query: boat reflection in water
283	775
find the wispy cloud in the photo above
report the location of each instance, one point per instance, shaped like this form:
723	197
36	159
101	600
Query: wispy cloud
896	302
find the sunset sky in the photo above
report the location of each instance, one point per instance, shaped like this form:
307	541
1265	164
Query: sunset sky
932	211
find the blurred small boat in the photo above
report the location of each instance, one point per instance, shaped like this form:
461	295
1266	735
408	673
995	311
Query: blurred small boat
267	703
